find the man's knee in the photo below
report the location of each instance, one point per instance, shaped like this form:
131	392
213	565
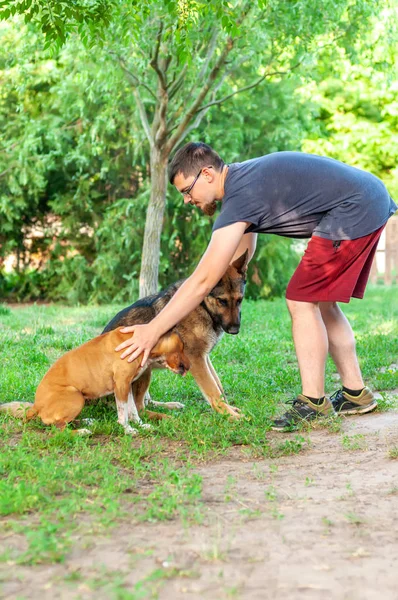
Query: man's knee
330	309
296	307
328	306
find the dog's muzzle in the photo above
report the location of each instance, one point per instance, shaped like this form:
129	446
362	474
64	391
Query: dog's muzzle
232	329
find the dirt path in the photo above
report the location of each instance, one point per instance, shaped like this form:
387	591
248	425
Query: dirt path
319	524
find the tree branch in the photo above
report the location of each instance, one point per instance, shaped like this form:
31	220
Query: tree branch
202	94
193	109
143	116
209	55
141	108
131	76
159	125
203	113
248	87
155	59
177	82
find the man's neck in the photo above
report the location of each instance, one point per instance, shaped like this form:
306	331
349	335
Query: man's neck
223	175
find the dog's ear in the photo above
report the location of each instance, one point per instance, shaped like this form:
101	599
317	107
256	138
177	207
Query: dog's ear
240	264
169	342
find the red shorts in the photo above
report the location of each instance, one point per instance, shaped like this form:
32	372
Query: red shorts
333	271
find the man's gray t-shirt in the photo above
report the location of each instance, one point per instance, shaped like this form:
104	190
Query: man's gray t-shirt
299	195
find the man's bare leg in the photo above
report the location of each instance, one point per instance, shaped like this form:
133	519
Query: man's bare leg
342	347
311	344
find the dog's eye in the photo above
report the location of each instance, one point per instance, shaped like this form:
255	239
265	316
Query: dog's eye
239	301
222	301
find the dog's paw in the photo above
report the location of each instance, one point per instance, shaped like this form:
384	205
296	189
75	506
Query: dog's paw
173	405
168	405
235	413
146	426
83	432
87	421
128	430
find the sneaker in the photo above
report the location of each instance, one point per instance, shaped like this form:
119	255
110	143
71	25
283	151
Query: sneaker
303	411
345	404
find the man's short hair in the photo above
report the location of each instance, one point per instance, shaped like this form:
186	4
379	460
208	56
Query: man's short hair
192	157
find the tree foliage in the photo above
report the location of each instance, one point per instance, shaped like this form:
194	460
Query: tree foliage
79	125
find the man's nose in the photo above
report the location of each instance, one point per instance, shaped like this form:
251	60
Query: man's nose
187	199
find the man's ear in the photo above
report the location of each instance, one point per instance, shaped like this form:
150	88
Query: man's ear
208	173
240	264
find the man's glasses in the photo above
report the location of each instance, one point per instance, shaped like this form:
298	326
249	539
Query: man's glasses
188	191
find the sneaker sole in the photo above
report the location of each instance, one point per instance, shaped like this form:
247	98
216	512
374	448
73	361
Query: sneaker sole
360	410
295	426
285	429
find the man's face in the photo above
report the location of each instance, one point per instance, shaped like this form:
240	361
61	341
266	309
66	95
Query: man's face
199	190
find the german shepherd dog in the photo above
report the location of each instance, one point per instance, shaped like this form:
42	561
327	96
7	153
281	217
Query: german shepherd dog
200	331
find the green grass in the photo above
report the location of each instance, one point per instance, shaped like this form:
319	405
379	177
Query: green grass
55	486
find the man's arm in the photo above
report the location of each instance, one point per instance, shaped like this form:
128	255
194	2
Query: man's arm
248	242
214	263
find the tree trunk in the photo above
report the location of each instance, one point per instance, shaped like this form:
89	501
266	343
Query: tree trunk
153	224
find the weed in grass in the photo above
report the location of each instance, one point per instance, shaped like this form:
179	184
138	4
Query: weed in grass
218	541
250	514
233	592
309	481
354	442
328	524
350	493
272	497
276	514
230	488
47	544
334	424
271	494
258	473
169	498
388	401
73	576
136	554
354	519
393	452
290	446
214	553
113	584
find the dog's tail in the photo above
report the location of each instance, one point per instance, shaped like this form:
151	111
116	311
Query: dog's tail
20	410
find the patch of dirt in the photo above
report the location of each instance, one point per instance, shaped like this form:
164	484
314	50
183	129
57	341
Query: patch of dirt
319	524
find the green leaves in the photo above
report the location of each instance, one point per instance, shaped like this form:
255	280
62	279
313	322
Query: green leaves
74	164
57	20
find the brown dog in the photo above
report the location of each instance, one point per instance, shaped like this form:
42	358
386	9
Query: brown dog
94	370
200	331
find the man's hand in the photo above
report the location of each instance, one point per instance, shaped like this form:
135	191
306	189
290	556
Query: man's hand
211	268
144	339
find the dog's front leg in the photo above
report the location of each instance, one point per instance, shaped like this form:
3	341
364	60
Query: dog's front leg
142	396
204	378
140	389
215	376
123	416
133	412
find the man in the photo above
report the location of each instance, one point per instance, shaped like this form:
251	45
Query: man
342	209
